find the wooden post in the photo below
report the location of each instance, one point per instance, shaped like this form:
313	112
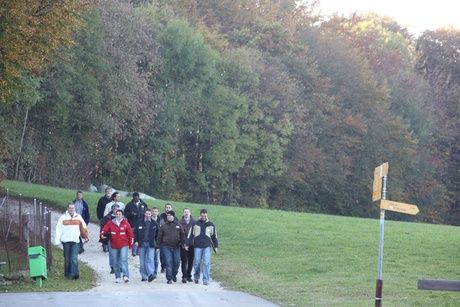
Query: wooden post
438	284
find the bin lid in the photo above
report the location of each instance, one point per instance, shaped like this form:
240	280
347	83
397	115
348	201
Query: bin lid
33	250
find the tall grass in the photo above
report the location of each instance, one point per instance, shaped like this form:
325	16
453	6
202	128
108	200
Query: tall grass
300	259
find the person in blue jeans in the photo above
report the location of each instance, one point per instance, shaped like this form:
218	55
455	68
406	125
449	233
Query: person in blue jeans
121	240
69	228
203	237
156	218
170	238
145	236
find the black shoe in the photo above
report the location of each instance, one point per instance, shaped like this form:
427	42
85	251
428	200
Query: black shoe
189	279
75	277
144	279
184	281
112	271
169	282
196	281
151	277
174	279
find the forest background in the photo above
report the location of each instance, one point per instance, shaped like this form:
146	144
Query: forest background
244	103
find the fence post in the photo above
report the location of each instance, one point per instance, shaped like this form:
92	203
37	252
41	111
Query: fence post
49	253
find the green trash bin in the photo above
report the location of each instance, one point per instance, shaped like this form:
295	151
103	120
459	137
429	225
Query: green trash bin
37	262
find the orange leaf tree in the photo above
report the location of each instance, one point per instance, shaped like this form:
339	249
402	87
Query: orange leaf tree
31	32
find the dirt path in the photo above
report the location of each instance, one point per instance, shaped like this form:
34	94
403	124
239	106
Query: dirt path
179	294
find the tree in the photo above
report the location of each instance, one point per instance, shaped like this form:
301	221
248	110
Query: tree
31	33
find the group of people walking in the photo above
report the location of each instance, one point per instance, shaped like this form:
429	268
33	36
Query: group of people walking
163	242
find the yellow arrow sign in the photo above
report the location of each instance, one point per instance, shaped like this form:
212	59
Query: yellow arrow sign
379	172
398	207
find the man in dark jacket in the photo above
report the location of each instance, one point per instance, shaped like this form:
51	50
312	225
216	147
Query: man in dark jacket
134	212
103	201
81	207
162	220
186	255
202	236
170	238
145	236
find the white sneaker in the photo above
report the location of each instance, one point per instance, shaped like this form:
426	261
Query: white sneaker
125	278
117	280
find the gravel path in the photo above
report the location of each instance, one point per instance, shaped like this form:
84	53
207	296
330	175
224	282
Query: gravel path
108	293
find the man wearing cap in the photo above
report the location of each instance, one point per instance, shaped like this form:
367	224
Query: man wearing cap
170	237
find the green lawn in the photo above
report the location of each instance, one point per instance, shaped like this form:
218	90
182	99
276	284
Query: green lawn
300	259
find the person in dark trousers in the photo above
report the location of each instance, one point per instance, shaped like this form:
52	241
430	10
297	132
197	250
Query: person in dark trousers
81	207
170	238
134	212
69	228
156	218
162	218
202	236
103	201
145	237
186	255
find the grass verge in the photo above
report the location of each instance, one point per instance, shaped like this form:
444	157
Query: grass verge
55	281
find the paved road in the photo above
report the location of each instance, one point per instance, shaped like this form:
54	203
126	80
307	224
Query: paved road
175	296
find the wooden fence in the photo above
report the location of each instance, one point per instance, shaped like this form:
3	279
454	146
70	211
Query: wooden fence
23	223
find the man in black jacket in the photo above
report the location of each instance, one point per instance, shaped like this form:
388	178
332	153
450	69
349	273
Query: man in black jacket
202	236
145	236
134	212
103	201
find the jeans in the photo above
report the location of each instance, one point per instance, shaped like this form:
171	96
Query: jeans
70	259
202	255
156	260
120	261
162	259
172	260
186	258
135	251
146	261
109	247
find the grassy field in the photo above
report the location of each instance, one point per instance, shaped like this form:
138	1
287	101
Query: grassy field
300	259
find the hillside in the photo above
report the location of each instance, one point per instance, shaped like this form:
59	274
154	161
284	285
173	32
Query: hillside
305	259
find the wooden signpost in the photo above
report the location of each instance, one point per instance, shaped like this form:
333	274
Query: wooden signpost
379	193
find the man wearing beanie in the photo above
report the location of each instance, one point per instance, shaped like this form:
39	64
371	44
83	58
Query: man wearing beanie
170	238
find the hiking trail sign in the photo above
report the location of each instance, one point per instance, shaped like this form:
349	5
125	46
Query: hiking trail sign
379	192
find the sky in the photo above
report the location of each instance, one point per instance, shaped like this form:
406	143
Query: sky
417	16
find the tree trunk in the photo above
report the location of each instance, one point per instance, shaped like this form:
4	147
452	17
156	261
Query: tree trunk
21	142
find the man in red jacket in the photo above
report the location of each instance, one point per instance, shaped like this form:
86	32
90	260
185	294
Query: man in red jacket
121	240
